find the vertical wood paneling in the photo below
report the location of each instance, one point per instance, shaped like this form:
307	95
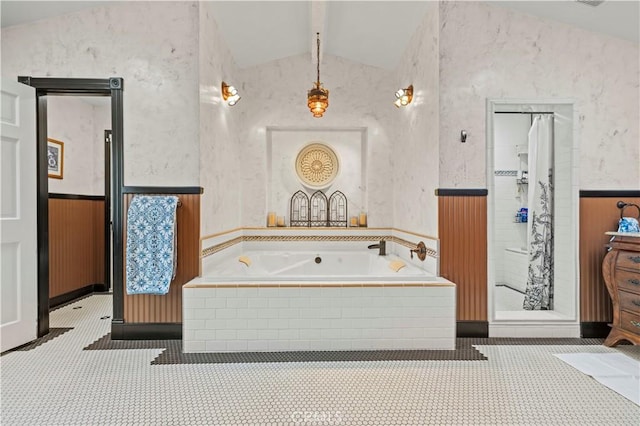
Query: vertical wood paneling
597	215
76	244
98	236
462	229
167	308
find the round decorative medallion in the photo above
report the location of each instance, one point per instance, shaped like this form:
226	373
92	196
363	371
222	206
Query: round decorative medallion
317	165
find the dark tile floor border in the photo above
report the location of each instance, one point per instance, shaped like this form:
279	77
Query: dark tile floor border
465	351
173	354
53	333
460	354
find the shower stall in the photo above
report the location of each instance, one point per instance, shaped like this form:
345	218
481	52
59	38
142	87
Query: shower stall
532	220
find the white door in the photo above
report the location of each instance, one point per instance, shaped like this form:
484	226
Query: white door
19	252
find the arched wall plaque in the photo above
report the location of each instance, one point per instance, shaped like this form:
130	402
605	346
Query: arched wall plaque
317	165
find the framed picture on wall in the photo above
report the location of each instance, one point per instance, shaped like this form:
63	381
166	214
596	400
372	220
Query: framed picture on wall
55	158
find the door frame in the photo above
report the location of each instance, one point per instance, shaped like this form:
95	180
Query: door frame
563	322
107	209
112	87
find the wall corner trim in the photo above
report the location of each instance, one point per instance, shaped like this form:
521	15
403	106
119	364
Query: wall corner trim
162	190
603	193
58	196
461	192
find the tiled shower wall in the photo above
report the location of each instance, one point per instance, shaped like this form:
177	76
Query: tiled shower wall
511	131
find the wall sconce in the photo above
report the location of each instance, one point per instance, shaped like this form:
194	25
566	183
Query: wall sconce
404	96
230	94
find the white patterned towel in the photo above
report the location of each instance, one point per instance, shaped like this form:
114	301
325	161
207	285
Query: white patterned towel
151	245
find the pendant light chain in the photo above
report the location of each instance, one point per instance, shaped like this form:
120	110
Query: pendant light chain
318	55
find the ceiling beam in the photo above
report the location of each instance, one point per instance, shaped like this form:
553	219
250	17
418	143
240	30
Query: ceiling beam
318	20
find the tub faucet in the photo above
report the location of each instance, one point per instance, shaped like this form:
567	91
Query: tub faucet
382	245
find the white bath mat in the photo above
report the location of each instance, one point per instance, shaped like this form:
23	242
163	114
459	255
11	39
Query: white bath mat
618	372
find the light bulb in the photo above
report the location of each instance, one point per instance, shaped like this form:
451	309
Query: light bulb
234	99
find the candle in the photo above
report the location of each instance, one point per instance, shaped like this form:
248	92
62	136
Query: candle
271	219
363	219
354	221
280	220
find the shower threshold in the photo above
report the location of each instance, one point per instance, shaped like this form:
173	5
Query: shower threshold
533	324
523	315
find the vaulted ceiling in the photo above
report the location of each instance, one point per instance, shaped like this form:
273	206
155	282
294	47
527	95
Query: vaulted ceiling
370	32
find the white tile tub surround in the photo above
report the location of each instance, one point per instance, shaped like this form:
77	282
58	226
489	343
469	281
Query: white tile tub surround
294	265
410	310
516	267
430	264
266	318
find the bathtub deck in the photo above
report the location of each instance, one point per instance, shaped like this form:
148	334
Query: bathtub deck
291	316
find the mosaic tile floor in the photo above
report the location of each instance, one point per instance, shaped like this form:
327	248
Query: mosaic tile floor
520	382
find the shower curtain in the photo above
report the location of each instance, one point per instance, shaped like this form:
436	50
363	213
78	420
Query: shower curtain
539	290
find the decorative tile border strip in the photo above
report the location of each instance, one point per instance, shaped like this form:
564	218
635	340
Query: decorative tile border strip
430	252
301	238
219	247
316	237
415	234
505	173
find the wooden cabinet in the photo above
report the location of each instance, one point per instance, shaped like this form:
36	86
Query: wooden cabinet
621	270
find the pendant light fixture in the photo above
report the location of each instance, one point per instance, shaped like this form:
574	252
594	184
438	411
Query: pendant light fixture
318	96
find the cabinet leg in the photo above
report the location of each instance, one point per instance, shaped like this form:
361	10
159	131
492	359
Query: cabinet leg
616	336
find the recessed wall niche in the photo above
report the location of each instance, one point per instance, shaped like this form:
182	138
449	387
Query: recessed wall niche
284	145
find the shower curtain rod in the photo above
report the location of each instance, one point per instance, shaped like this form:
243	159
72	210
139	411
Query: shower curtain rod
521	112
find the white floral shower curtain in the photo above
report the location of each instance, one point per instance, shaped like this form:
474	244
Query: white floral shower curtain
539	290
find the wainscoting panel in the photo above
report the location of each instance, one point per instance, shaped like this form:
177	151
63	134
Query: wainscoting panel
76	244
462	229
597	215
168	308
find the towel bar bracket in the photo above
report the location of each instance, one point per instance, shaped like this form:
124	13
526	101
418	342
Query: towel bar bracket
622	205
